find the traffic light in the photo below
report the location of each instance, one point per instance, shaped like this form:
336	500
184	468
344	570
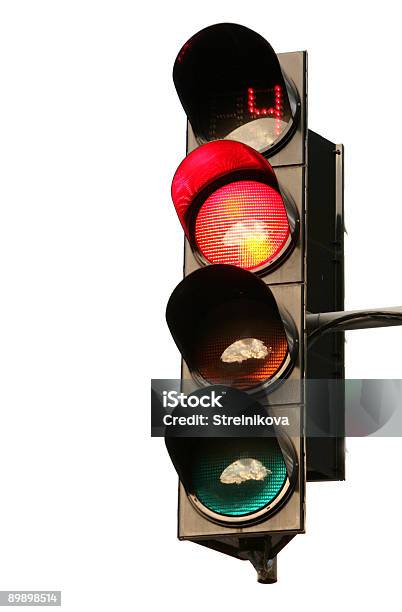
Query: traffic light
244	195
232	209
236	476
231	85
228	328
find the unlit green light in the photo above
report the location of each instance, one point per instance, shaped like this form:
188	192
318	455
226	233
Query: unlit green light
239	499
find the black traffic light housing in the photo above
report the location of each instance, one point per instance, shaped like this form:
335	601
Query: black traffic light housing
233	87
220	313
233	474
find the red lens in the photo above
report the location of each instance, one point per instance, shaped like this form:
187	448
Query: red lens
243	223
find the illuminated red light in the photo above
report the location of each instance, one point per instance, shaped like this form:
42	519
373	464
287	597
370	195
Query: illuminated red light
243	223
242	220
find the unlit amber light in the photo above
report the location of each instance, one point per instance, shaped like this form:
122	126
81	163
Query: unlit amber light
249	372
244	224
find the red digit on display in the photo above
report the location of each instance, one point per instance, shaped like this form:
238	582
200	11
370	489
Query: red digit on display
276	111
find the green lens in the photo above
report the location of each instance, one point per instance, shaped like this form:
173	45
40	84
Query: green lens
239	481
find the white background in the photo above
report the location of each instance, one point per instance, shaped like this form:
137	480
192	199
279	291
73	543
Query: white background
91	132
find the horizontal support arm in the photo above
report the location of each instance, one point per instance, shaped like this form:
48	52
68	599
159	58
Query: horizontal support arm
353	319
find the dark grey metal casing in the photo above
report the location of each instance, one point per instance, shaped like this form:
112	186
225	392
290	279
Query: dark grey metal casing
288	284
289	520
325	451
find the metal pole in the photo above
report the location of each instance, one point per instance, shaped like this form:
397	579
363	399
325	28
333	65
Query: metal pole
268	573
377	317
